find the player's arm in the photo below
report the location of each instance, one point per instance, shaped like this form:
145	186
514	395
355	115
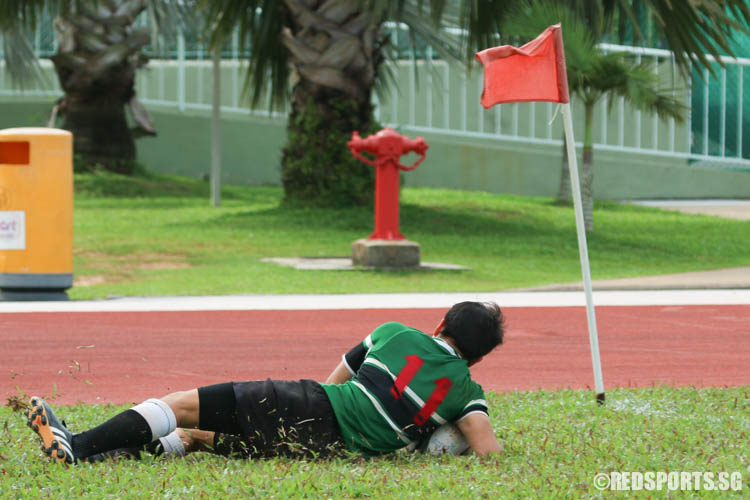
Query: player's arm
478	431
350	363
340	374
352	360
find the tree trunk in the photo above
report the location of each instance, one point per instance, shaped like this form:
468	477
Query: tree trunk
587	173
316	166
100	131
96	61
335	50
564	193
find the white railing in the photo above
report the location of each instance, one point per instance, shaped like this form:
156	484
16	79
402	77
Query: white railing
700	150
432	96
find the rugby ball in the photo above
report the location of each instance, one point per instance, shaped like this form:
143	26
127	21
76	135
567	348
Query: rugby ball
447	439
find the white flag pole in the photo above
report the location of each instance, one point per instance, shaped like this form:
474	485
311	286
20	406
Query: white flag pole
583	250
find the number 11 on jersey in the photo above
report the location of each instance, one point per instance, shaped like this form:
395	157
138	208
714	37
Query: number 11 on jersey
407	373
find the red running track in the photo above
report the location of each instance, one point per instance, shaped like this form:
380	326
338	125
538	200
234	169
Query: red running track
128	357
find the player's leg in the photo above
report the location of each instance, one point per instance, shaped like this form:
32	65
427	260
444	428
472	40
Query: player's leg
186	407
177	444
181	442
151	421
213	408
134	428
255	419
215	411
208	416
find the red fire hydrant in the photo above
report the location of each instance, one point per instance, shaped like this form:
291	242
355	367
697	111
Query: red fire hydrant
387	146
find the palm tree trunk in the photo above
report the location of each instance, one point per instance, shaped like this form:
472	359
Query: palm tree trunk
587	173
564	193
96	61
335	53
100	131
316	166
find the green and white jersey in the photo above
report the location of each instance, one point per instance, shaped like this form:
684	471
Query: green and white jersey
405	384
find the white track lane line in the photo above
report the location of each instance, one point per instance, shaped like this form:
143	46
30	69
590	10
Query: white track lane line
385	301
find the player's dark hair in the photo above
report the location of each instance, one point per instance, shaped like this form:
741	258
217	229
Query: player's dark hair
476	328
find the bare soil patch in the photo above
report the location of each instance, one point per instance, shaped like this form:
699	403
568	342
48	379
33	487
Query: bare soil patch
117	268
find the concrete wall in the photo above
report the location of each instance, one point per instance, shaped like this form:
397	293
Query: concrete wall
508	167
252	145
251	148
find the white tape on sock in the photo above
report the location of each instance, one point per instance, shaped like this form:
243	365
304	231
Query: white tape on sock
159	416
173	445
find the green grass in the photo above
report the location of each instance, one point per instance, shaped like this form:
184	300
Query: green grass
157	235
554	444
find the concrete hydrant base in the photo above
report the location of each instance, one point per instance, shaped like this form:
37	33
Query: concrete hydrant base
385	253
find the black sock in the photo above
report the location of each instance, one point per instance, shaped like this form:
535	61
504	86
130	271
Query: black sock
126	430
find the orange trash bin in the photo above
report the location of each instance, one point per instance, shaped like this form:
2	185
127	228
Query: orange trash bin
36	213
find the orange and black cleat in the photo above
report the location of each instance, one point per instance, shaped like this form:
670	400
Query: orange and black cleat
56	438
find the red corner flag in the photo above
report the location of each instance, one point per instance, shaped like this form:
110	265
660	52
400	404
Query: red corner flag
533	72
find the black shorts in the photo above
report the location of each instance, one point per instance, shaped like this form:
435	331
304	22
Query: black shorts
273	417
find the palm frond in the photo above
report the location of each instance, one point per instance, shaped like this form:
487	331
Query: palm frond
259	24
618	76
482	20
598	16
433	33
643	91
19	56
25	12
15	17
167	17
28	12
693	29
476	22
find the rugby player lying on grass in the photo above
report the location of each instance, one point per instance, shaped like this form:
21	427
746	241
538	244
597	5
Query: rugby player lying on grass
392	390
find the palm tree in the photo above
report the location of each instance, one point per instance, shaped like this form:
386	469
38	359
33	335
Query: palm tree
592	75
332	52
693	31
99	51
